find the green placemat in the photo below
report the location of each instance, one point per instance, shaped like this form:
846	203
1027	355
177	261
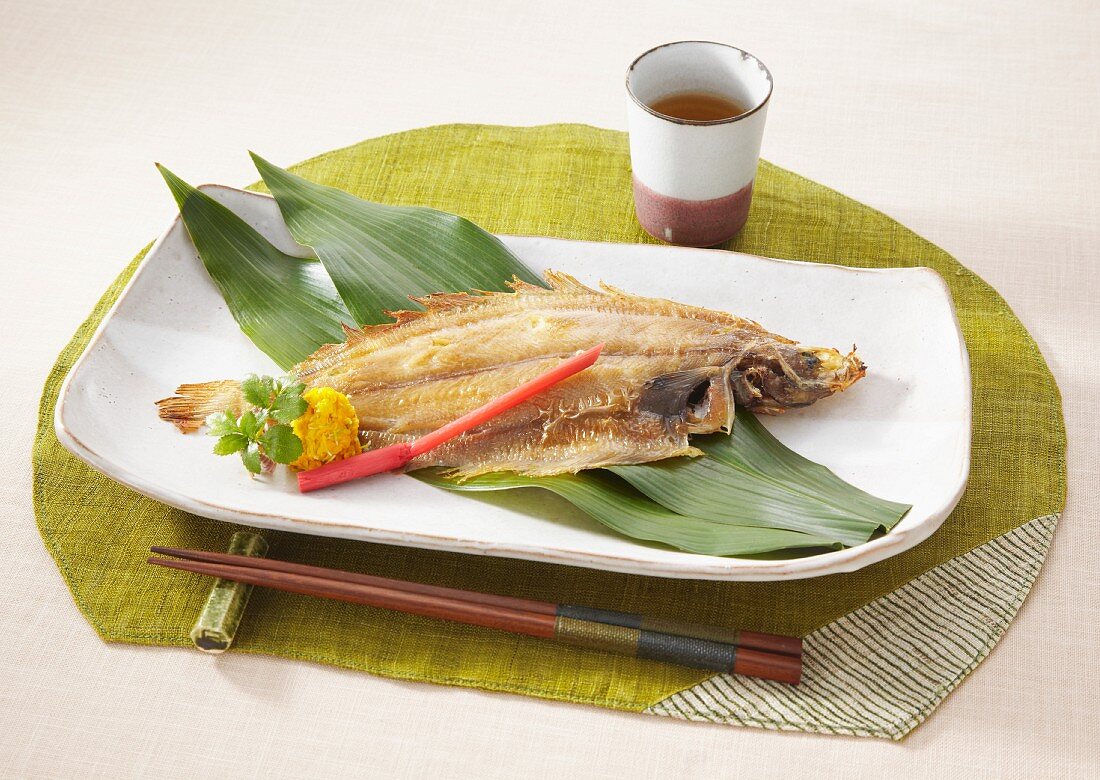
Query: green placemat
880	656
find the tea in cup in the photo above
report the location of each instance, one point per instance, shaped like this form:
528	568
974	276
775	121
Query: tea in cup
696	118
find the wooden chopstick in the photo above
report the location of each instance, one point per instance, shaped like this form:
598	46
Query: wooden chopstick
641	643
770	643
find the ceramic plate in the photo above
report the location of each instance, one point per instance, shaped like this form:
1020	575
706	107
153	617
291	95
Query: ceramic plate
903	433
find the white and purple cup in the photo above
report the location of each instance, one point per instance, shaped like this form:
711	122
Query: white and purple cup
693	179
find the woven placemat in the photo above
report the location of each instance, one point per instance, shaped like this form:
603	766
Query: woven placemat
884	644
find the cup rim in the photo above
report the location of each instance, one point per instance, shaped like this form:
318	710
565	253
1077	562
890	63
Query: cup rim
701	122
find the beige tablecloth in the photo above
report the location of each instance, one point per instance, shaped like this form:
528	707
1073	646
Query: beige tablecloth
974	125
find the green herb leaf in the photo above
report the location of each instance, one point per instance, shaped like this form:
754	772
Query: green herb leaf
289	385
258	390
221	423
287	305
288	406
230	443
250	456
281	444
249	424
260	446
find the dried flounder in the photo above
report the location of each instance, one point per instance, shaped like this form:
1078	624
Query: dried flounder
667	370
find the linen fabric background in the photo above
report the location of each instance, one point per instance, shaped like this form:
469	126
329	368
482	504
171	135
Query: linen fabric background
1008	188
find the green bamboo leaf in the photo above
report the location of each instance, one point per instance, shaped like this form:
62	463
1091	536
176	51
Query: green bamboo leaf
753	449
751	478
378	255
612	502
286	305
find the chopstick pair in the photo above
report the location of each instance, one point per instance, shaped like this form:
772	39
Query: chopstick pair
768	656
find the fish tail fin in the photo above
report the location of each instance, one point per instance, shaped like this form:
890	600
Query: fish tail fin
193	403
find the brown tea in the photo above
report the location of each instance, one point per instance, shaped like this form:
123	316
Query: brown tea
697	106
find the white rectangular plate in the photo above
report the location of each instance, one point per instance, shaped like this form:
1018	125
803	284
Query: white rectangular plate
902	433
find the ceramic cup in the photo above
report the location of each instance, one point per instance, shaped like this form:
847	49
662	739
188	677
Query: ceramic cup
693	179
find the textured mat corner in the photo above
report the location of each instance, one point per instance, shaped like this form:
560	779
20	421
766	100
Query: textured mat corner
881	670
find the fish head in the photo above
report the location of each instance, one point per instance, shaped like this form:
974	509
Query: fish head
786	375
766	380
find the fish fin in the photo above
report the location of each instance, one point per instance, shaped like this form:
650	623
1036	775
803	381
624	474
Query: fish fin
329	352
611	290
564	283
353	335
526	288
540	447
193	403
551	468
402	317
444	301
701	397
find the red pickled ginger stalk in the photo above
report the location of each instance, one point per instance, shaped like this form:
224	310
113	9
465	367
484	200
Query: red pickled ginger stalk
397	455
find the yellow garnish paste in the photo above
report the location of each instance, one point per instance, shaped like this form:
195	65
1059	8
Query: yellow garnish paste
329	429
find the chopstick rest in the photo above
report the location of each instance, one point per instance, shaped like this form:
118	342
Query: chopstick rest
217	624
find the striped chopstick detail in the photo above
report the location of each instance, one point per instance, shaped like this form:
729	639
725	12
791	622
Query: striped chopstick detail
643	622
687	651
672	648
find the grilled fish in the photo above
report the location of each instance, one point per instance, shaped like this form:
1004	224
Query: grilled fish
667	370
